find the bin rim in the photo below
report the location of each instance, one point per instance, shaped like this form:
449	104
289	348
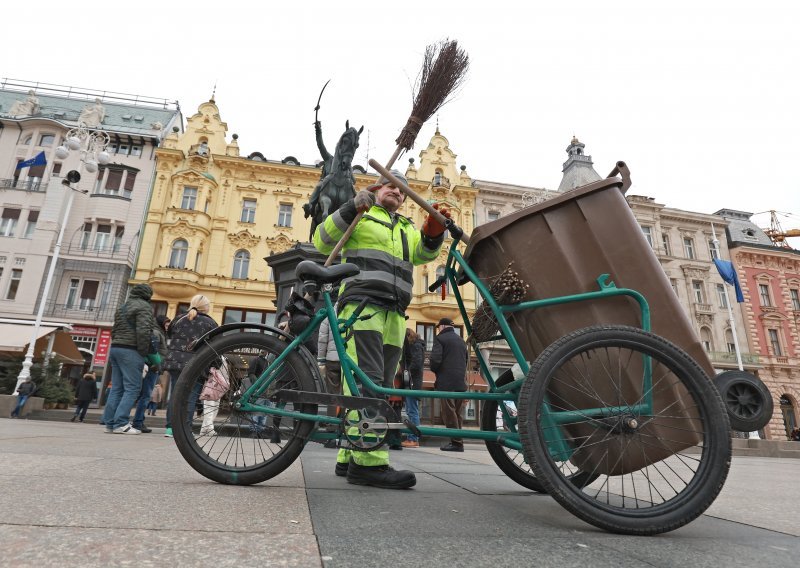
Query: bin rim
487	229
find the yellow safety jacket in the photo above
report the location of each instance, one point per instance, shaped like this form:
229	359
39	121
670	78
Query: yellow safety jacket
385	246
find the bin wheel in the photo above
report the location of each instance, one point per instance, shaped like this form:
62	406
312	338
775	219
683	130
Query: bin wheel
657	469
510	461
747	400
242	448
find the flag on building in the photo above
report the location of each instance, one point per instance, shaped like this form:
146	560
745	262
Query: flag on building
728	273
37	160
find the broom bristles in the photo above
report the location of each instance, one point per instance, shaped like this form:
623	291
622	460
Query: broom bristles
443	72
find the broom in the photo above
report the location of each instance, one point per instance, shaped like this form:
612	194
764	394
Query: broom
443	71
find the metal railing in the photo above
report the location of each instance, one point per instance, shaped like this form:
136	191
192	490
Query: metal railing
83	313
106	252
23	184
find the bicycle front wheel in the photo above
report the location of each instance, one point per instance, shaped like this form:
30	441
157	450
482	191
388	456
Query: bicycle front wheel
224	443
636	413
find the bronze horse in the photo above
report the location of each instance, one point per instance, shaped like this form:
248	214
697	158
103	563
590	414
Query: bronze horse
337	183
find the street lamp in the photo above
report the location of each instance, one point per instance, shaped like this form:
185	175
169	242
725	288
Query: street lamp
92	148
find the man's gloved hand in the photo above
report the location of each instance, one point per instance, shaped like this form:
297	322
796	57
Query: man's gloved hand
364	199
433	228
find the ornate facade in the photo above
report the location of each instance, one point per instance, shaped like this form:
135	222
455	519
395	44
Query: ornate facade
770	281
215	215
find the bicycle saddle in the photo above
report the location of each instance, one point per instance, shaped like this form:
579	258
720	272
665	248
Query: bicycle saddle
310	270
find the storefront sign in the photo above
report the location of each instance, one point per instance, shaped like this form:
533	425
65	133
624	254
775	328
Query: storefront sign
103	344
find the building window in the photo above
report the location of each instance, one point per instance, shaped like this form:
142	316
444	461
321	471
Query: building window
763	294
130	179
795	295
86	236
8	223
729	343
189	198
774	340
285	215
688	248
713	252
674	283
439	273
13	284
33	217
241	264
136	150
198	258
113	182
27	140
665	243
249	211
492	215
72	292
249	316
57	169
177	258
159	308
705	339
102	237
105	299
648	234
88	294
697	290
722	296
427	331
118	234
47	140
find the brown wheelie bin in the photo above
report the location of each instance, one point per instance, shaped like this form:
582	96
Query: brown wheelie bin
559	248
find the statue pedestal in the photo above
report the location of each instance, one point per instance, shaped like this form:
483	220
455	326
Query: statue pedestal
283	266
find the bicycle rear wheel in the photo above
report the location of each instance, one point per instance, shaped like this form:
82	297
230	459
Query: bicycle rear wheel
224	443
584	404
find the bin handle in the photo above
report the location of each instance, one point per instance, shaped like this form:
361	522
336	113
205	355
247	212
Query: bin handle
622	170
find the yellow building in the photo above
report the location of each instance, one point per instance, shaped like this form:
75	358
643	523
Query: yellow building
214	216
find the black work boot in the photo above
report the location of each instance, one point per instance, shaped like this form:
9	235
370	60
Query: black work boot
381	476
341	469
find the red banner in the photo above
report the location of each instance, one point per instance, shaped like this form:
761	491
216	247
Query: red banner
103	344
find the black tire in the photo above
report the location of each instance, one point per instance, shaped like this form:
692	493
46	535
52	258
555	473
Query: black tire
240	452
656	471
747	400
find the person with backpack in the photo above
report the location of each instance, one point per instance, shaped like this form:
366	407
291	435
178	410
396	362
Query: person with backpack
183	331
153	371
131	343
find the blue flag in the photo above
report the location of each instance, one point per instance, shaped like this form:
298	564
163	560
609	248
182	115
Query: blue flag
728	273
37	160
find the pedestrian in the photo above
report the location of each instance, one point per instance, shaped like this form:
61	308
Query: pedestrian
25	390
386	246
796	435
131	342
85	392
183	332
413	364
155	399
329	357
150	378
449	362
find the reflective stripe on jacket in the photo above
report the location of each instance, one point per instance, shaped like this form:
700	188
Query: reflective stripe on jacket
386	248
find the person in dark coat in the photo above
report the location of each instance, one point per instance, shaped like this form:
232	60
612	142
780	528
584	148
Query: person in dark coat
449	362
130	344
85	392
153	372
413	361
194	324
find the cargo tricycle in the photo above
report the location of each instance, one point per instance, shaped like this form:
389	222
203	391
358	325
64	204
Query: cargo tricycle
613	414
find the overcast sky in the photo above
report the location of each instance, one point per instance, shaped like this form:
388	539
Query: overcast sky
700	99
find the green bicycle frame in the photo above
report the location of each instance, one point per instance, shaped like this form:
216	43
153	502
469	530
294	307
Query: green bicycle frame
456	263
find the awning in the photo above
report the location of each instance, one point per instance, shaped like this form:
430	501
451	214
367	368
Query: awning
14	338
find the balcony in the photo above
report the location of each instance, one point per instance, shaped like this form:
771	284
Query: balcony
110	252
730	358
34	184
77	312
703	308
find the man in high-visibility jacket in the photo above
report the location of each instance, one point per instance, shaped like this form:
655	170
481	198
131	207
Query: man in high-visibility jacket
386	246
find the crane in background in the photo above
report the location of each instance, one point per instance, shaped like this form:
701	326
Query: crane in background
776	233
